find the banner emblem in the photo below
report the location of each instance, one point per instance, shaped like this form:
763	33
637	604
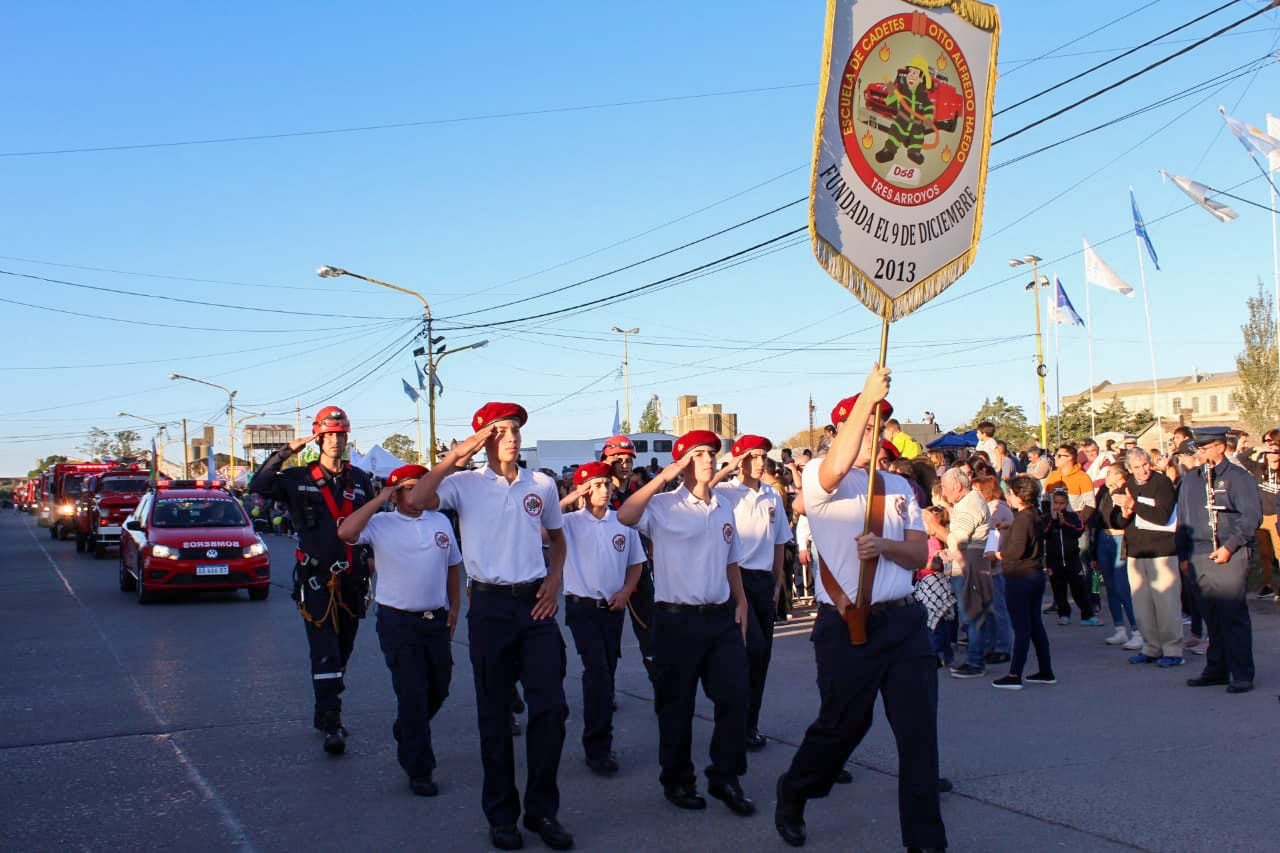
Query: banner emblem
904	126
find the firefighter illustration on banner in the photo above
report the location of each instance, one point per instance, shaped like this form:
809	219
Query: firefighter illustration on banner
904	124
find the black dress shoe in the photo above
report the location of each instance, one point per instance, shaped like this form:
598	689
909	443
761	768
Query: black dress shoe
730	793
606	765
424	786
945	786
788	818
1240	687
506	837
1207	681
926	850
684	797
550	831
844	777
756	741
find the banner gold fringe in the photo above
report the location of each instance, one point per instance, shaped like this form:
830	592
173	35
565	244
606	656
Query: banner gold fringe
870	295
984	16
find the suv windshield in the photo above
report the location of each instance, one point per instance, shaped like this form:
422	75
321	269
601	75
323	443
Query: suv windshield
124	484
198	512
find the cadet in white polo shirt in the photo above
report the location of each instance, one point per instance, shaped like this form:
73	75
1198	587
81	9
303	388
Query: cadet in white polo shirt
600	574
895	661
700	622
502	512
763	532
419	594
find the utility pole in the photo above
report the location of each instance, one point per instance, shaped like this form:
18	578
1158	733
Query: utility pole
626	373
186	452
1041	370
811	407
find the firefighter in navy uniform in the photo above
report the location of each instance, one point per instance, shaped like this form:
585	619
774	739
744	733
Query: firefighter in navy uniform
620	454
331	578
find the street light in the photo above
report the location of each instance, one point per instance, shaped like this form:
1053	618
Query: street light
432	354
248	455
160	427
1037	281
231	416
626	371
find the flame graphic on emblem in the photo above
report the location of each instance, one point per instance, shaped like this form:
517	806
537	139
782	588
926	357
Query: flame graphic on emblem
946	154
868	140
885	53
941	62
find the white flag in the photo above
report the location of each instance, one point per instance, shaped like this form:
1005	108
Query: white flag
1273	128
1097	272
1253	140
1196	191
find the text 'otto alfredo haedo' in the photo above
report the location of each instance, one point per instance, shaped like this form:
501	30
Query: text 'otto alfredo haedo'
891	232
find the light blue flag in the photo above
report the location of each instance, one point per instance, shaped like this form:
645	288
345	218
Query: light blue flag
409	391
1062	311
1140	228
617	422
422	380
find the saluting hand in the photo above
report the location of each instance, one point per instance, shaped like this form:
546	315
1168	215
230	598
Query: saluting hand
460	456
298	443
675	470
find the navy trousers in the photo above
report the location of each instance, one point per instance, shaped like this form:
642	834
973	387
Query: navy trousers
898	664
597	635
761	614
1220	591
508	643
418	654
707	646
330	649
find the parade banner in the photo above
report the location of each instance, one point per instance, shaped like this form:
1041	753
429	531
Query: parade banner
900	150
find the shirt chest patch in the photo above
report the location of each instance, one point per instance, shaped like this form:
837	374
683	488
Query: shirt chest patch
442	540
900	506
533	505
619	542
727	530
773	513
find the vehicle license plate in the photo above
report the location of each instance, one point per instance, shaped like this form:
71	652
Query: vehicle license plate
213	570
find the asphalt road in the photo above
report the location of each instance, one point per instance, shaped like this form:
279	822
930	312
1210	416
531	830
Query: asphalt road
186	725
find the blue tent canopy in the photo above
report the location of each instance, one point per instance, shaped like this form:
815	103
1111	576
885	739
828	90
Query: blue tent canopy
955	439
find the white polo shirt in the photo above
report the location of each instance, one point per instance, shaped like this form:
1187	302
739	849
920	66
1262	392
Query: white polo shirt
600	550
693	544
837	518
412	557
760	520
501	523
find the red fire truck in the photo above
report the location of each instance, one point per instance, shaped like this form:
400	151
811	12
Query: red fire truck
65	487
106	501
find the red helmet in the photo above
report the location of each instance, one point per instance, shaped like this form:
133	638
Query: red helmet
330	419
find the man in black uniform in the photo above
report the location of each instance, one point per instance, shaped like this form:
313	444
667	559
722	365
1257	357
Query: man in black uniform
1218	515
331	578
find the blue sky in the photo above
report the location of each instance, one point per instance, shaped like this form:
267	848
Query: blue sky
476	213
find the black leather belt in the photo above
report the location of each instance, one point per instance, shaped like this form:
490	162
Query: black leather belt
516	590
879	606
675	607
590	602
440	613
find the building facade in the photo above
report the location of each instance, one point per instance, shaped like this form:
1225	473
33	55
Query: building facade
691	416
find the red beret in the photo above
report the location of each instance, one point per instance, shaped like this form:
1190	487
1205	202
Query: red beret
590	471
619	445
841	412
696	438
888	451
405	472
751	442
490	412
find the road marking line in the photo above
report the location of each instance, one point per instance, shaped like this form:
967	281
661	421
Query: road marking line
239	835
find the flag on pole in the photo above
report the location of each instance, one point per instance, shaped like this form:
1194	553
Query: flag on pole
1097	272
1253	140
1062	311
1140	228
617	419
422	380
409	391
1273	127
435	380
1197	191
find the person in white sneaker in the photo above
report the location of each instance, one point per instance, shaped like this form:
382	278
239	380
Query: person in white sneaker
1109	561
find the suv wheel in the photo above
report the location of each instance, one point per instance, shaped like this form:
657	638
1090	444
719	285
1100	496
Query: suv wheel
259	593
126	580
80	543
99	549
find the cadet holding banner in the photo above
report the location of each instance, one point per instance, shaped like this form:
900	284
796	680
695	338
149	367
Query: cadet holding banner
895	660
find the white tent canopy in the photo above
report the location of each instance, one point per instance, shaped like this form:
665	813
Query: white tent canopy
377	461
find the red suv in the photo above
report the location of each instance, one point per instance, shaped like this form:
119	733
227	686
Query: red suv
192	535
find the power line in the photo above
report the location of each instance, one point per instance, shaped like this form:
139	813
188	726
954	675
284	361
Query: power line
406	124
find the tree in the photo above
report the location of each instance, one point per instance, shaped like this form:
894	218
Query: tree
100	444
1010	422
125	444
1259	394
651	417
44	464
803	439
1113	417
401	447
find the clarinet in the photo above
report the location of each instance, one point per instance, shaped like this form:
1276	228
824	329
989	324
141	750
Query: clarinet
1209	503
